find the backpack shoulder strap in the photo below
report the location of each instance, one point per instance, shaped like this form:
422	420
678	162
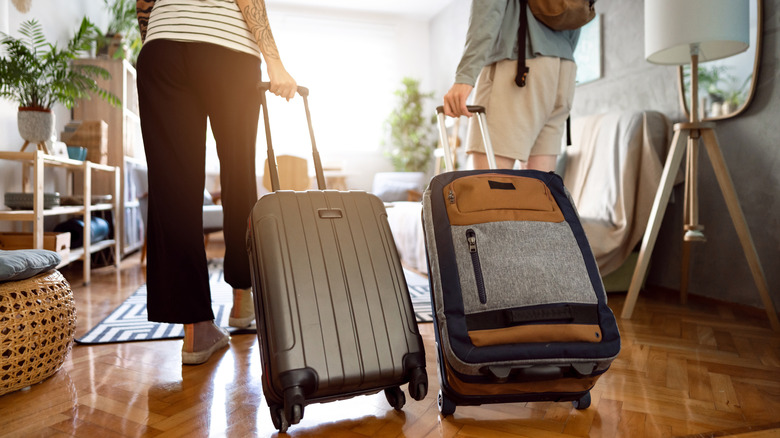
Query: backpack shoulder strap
522	31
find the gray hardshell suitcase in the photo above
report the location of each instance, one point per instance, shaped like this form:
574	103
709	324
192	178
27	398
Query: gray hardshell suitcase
334	315
520	310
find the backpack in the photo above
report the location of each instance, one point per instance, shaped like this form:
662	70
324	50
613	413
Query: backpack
563	14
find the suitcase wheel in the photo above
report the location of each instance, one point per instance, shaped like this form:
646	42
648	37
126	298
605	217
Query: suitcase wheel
278	419
583	402
418	384
293	404
395	396
446	406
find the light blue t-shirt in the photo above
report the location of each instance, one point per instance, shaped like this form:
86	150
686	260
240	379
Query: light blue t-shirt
492	37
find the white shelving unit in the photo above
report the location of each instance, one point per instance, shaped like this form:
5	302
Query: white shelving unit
36	161
125	144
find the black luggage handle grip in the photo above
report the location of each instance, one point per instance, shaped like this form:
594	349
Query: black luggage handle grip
471	108
266	86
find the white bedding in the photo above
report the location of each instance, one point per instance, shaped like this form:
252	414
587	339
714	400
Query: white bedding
405	220
612	171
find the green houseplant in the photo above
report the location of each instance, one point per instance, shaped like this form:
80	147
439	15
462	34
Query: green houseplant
37	74
121	38
411	138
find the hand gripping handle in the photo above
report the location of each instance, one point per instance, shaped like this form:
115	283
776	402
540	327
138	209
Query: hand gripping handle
480	112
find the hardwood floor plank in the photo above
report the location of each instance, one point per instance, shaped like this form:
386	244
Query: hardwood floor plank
699	384
607	419
632	424
725	341
657	428
26	427
725	396
137	413
656	366
677	373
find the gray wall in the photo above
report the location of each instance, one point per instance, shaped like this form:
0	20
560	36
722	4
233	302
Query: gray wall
750	144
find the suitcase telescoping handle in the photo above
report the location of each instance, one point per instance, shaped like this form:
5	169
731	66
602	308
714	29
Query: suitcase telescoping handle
480	113
304	92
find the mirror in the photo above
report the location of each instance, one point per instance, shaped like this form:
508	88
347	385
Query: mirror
726	86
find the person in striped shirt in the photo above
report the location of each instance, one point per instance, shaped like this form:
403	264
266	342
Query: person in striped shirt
200	61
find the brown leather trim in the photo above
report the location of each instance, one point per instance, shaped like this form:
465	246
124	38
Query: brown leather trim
492	197
536	333
568	384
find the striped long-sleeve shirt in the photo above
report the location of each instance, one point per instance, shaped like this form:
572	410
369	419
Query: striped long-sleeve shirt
211	21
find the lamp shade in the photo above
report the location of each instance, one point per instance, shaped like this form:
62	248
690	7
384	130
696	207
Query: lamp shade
719	27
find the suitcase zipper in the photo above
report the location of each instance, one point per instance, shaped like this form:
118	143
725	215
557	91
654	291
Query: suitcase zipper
471	239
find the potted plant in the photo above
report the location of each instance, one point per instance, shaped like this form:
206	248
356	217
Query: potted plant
121	39
412	141
37	74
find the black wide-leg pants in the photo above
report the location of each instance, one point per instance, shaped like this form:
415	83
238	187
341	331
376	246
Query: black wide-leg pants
180	86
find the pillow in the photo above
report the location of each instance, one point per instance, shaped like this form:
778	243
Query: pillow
392	191
25	263
393	186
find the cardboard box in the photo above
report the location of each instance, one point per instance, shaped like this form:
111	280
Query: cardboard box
57	242
91	134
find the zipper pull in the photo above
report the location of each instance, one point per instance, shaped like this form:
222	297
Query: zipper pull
451	197
471	238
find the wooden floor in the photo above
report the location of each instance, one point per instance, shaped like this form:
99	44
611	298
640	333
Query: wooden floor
703	370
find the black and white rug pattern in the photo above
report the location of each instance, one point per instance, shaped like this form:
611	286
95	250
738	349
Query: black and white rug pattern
128	322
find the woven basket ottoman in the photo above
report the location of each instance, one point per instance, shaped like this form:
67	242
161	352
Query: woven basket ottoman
37	326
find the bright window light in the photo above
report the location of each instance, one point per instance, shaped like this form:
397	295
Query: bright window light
351	66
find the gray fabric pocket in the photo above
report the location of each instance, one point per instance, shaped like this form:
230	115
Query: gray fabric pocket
522	264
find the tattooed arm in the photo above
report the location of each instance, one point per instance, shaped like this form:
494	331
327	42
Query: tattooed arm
143	8
255	14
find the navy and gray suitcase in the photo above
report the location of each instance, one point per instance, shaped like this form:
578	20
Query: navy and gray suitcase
334	315
520	309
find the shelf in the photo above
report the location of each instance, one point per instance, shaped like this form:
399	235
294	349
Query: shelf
78	253
134	246
28	215
53	160
36	161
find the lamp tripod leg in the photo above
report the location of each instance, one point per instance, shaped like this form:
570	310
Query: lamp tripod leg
740	224
693	230
673	161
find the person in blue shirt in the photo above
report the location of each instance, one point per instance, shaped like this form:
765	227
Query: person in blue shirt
526	124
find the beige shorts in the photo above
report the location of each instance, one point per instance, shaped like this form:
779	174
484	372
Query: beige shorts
524	121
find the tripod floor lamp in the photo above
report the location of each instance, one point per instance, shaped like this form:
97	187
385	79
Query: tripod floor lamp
678	32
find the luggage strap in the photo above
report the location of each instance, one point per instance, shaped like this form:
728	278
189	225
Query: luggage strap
566	313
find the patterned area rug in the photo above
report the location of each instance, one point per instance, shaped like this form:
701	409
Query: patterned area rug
128	322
